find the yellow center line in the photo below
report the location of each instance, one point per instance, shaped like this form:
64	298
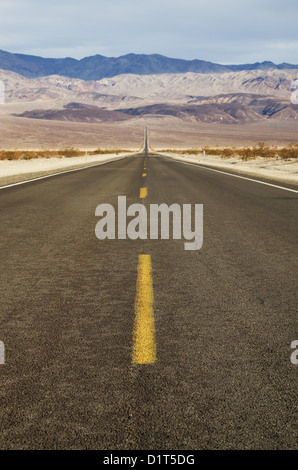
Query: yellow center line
144	174
143	193
144	343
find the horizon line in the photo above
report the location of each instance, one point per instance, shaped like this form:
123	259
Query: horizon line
227	64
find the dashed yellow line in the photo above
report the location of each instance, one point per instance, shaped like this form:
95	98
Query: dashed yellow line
144	174
144	343
143	193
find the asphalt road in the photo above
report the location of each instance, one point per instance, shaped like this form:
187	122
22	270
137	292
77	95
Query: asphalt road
224	316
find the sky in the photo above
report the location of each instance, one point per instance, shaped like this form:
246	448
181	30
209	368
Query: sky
221	31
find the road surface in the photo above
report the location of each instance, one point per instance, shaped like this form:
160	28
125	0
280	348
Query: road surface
222	318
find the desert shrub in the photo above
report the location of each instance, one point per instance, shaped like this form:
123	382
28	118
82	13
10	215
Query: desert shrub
291	151
100	151
228	152
212	151
46	153
262	150
246	154
70	152
193	151
109	151
9	155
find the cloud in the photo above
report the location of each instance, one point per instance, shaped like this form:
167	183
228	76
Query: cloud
220	31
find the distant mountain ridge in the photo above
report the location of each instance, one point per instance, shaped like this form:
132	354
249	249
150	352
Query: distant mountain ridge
97	67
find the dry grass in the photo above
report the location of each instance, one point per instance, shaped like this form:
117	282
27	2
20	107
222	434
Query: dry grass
66	153
246	153
100	151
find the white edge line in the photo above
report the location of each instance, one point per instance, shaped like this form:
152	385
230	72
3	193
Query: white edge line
62	172
231	174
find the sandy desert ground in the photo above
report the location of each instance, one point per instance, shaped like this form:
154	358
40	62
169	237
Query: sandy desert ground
167	132
12	172
268	168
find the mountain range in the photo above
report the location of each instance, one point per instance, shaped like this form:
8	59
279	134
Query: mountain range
145	88
97	67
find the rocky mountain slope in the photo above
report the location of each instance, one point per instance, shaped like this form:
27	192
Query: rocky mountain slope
148	88
225	98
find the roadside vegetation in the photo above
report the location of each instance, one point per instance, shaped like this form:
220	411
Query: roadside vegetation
63	153
100	151
245	153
